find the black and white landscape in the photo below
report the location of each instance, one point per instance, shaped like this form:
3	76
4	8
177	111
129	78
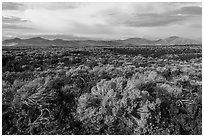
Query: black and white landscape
101	68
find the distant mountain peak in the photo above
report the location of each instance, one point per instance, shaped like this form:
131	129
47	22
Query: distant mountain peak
174	37
36	38
175	40
17	38
58	40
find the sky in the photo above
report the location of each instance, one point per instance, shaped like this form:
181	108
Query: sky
105	21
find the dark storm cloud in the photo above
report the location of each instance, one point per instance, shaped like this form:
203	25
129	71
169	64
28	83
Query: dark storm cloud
11	6
13	19
191	10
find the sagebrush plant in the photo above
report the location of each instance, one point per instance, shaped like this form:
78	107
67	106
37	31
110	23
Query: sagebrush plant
117	99
138	102
79	93
40	104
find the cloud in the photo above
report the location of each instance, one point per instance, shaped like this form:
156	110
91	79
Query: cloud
62	5
190	10
16	23
152	20
13	19
94	29
16	27
12	6
175	14
188	3
104	20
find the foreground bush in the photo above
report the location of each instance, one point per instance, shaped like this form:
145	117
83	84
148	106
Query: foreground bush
138	106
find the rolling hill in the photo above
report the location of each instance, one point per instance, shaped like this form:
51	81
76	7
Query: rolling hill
175	40
38	41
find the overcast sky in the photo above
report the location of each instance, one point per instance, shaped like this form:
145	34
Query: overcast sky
102	20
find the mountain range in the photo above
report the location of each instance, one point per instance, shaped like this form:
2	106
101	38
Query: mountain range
38	41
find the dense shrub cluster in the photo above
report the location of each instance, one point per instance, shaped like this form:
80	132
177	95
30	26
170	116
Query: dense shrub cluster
100	91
